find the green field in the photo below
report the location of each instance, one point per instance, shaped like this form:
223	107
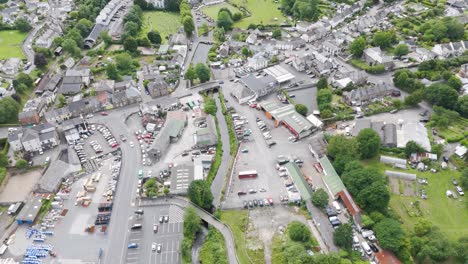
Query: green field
167	23
262	11
447	213
212	10
10	44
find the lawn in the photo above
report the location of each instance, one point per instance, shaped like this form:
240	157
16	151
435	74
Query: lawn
456	131
10	44
262	11
167	23
237	220
447	213
212	10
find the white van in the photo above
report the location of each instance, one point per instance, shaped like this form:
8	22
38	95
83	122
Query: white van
366	248
355	240
337	207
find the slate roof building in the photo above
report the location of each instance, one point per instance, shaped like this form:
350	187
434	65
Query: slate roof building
176	121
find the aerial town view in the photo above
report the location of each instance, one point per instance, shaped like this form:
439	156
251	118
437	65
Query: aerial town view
233	131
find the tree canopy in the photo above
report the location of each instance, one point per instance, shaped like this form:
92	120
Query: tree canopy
357	46
320	198
199	192
390	234
441	94
384	39
301	109
343	236
203	72
368	142
224	20
401	50
299	232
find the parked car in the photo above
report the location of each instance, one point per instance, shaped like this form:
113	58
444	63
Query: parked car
132	245
460	191
454	181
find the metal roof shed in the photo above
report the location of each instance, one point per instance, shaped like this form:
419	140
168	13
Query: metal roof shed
299	180
331	178
30	211
401	175
396	162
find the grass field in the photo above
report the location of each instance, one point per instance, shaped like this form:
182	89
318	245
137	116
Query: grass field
262	11
237	220
167	23
10	44
212	10
447	213
456	131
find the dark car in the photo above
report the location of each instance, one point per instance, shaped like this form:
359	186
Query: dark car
136	226
454	181
255	202
246	205
445	158
241	193
261	202
250	204
373	247
335	223
423	113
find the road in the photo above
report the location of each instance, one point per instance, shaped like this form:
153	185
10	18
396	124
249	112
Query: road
218	182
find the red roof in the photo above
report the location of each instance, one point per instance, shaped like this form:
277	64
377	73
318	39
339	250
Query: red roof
349	202
386	257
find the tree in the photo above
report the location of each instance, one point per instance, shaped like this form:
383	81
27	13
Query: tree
368	142
455	82
192	223
441	94
191	74
189	27
343	236
301	109
61	100
357	46
199	192
23	78
154	36
322	83
401	50
374	197
276	33
9	109
412	147
246	52
422	227
340	145
320	198
237	16
130	44
324	97
151	187
40	59
3	160
22	25
84	26
390	234
307	10
224	20
106	38
204	29
383	39
203	72
112	72
69	45
124	62
21	164
210	106
464	178
299	232
219	34
414	98
356	177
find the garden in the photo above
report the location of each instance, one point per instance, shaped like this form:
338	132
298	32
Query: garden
10	44
213	10
167	23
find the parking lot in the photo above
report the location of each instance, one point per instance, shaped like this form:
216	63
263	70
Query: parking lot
166	240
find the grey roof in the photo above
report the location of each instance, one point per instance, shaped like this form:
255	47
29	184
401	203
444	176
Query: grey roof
93	36
73	88
30	210
29	134
360	125
181	177
14	136
260	86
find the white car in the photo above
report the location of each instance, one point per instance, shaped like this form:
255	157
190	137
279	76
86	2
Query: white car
153	246
131	144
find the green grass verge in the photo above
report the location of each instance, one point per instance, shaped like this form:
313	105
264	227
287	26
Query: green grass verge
213	250
379	68
167	23
218	156
45	207
447	213
457	130
262	12
10	44
212	10
238	220
233	144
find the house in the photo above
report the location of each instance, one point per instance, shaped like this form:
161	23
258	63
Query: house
163	49
251	39
463	71
84	106
330	48
223	50
422	54
104	89
450	49
363	95
84	74
302	26
127	97
259	86
11	66
32	111
179	39
72	129
158	87
48	83
205	137
176	121
71	85
300	62
37	138
58	115
257	62
159	4
374	56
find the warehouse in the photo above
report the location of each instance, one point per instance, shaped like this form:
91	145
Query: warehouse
30	211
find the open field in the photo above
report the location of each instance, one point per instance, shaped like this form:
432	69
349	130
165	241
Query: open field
456	131
212	10
262	12
167	23
447	213
10	44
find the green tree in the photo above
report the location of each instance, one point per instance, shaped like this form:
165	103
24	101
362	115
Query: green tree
219	34
69	45
299	232
237	16
301	109
441	94
9	109
356	178
203	72
224	20
84	26
276	33
154	36
21	164
112	72
414	98
464	178
189	27
422	227
106	38
199	192
322	83
383	39
124	62
374	197
3	160
204	29
307	10
320	198
192	223
22	25
191	74
343	236
357	46
401	50
131	28
455	82
246	52
210	106
151	187
368	142
341	145
390	234
62	101
324	97
130	44
23	78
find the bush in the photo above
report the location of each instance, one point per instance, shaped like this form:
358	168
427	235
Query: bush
299	232
320	198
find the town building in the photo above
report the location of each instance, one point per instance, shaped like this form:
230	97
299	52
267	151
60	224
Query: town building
34	139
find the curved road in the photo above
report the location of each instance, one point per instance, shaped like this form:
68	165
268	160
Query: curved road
207	217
